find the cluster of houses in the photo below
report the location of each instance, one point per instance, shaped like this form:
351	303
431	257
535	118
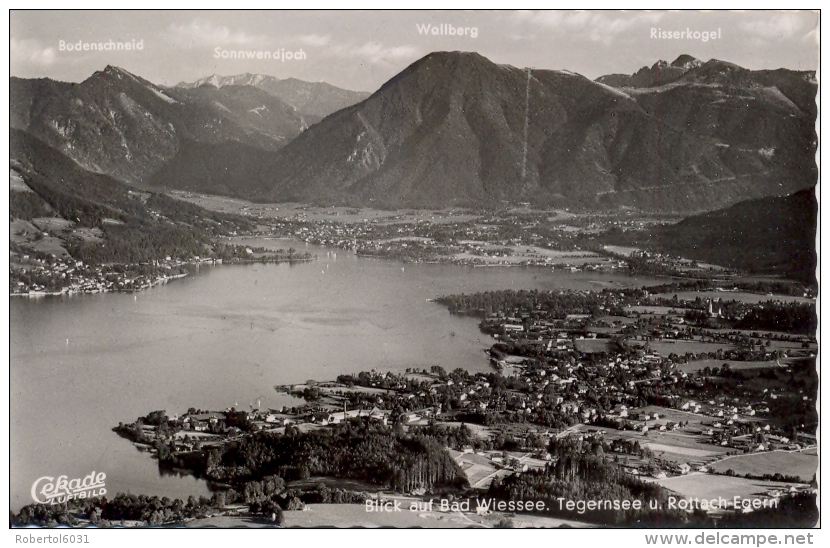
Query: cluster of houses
213	421
64	274
465	243
572	385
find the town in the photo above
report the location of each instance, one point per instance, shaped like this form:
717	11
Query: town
520	236
34	274
697	395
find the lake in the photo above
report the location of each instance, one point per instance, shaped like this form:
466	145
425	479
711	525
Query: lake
225	336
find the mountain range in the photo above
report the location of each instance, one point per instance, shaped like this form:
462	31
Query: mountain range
457	129
453	128
119	124
315	100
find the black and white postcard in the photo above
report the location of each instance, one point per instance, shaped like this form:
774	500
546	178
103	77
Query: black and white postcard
414	269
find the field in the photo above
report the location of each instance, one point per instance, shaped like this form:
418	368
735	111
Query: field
230	522
685	445
532	250
658	448
25	233
480	431
31	234
656	310
341	214
335	483
53	224
589	346
620	250
477	468
420	377
677	415
695	366
680	446
63	228
681	347
17	183
698	484
521	254
89	235
788	463
330	390
355	515
764	333
408	239
622	319
734	296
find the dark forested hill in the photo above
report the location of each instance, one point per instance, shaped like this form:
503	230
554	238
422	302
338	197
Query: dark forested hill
129	226
768	235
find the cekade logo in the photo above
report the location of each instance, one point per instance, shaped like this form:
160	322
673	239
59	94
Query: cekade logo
48	490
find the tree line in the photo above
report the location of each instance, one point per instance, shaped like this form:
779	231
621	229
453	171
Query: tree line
359	449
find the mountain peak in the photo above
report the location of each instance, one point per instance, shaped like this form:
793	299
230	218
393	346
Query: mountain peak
686	62
218	81
456	54
724	65
445	68
212	80
117	71
453	59
111	72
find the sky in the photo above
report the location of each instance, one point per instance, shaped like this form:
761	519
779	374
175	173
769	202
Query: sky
360	50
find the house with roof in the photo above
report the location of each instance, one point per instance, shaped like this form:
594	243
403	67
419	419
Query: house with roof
341	416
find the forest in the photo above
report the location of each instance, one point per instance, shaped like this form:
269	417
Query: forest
138	227
577	472
358	449
555	304
771	315
777	316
